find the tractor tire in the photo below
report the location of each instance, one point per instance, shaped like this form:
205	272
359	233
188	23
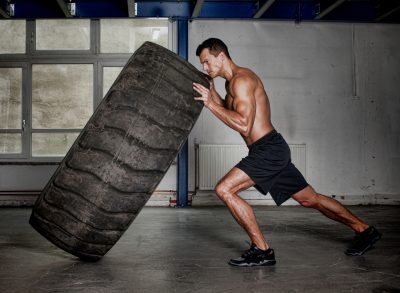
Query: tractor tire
121	155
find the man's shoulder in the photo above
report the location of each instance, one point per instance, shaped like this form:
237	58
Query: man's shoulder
243	78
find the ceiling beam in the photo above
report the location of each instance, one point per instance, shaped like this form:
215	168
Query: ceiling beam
131	8
197	8
64	8
329	9
263	8
387	13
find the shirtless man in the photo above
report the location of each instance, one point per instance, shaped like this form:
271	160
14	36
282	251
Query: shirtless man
268	166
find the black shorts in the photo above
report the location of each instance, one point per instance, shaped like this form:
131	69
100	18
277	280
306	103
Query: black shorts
269	165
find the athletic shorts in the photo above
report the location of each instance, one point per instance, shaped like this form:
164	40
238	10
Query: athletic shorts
269	165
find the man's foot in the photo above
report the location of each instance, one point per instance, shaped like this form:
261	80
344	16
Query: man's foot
254	257
364	241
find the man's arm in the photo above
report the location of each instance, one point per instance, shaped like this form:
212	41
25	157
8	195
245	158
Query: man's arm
241	117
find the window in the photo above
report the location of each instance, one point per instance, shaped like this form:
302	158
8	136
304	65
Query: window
10	143
10	110
126	35
50	87
62	99
63	34
52	144
110	74
13	36
62	95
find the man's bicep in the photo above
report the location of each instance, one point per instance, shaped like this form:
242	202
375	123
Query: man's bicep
244	107
244	101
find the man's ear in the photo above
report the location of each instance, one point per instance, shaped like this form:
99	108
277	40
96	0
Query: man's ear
222	56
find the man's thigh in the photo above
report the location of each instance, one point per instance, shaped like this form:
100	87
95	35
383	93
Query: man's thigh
236	180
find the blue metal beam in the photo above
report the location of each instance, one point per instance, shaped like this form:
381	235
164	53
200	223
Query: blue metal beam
352	11
360	10
37	9
228	9
183	156
164	9
101	8
291	11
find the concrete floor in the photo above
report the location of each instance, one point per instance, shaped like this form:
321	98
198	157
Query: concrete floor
186	250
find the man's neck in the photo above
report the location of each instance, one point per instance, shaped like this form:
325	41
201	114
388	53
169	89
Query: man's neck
229	70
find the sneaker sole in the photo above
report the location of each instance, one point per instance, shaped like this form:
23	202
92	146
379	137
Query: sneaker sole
252	264
367	248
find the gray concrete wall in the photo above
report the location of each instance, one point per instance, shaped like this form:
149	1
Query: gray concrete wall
333	87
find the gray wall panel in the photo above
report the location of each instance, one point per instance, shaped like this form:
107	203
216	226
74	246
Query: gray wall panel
321	79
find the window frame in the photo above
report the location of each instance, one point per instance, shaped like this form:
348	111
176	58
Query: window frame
67	61
24	112
33	56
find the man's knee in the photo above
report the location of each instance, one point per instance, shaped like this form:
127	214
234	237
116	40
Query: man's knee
222	190
307	198
311	202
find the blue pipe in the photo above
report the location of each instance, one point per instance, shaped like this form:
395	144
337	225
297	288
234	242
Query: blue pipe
183	156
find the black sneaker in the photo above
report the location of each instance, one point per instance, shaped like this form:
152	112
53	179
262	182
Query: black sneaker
254	257
364	241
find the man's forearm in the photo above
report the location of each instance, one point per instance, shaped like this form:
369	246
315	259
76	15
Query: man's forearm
217	98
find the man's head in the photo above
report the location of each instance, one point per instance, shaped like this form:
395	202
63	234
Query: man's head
212	53
215	46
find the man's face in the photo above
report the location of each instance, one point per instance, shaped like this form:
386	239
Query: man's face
211	64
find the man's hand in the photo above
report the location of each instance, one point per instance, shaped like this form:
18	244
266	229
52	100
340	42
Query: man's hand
206	95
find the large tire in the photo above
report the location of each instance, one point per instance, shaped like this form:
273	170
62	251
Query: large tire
121	155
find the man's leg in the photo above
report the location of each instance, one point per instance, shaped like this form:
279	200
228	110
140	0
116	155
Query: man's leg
259	253
330	208
367	235
227	188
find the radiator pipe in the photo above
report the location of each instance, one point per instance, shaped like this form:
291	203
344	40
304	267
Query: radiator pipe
196	167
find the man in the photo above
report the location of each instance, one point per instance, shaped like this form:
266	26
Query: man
268	166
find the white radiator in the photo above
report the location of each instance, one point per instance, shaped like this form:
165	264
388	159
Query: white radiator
214	161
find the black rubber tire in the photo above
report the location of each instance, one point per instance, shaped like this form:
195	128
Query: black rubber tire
121	155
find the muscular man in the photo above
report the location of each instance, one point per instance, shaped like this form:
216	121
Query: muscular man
268	166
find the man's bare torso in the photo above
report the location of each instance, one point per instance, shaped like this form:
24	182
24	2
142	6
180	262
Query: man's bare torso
262	121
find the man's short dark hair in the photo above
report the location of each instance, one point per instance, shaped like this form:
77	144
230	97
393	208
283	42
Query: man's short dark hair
215	46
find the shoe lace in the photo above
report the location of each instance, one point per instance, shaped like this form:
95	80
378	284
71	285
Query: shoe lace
249	251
